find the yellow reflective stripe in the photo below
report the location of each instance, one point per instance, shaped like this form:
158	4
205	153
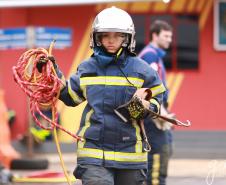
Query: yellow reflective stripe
84	128
84	91
73	94
158	89
155	169
40	134
138	146
155	102
125	156
111	80
90	152
111	155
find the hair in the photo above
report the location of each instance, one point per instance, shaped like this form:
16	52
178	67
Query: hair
158	25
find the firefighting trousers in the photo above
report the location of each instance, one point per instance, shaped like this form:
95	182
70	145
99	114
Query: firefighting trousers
99	175
158	165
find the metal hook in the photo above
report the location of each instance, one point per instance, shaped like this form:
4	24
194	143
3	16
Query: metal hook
147	146
180	123
171	120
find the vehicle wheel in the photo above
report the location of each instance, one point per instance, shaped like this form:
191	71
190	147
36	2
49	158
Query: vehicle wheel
28	164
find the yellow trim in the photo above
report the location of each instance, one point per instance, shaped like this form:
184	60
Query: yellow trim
84	91
73	94
191	6
174	89
99	7
169	80
42	180
200	5
205	13
40	134
121	5
111	155
87	123
157	89
155	169
178	6
138	146
84	128
140	7
111	80
160	7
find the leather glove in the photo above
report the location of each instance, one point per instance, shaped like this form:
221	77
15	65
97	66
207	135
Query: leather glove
143	93
162	124
136	108
42	62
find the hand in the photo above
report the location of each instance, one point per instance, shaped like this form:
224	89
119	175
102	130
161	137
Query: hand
145	103
52	59
143	93
43	61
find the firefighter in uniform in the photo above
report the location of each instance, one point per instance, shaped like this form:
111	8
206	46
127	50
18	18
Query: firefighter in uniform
158	132
112	152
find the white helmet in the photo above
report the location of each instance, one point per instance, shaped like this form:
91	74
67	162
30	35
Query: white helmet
113	20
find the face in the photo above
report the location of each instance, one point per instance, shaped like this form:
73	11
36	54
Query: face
163	39
112	41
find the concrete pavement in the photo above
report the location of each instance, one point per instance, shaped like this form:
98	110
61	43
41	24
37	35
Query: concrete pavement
181	171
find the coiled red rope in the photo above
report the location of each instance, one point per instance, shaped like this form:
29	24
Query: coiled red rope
41	88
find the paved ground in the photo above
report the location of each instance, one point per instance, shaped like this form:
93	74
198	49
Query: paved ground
181	171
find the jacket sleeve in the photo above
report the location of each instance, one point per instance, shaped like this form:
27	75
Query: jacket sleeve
154	83
71	94
150	57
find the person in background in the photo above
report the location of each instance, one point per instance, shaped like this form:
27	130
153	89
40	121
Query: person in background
41	135
158	132
111	152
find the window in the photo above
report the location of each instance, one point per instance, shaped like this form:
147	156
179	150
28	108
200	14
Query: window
183	53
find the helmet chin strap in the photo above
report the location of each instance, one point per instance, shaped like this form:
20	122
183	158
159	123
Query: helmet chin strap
118	54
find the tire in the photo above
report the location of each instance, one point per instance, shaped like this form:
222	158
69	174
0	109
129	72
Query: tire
29	164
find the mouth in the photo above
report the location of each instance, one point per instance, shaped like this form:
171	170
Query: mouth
110	47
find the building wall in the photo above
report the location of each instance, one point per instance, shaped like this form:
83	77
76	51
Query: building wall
200	96
75	17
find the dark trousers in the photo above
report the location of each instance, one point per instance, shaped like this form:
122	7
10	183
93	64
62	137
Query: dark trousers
158	165
99	175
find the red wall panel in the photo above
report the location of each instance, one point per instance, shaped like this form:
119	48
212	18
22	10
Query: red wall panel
74	17
202	95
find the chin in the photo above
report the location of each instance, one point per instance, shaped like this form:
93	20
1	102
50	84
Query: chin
112	52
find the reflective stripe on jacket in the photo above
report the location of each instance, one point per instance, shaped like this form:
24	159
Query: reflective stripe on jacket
108	140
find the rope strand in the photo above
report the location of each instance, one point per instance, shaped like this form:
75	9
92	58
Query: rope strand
41	88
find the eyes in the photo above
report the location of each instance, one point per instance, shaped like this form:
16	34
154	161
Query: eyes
113	35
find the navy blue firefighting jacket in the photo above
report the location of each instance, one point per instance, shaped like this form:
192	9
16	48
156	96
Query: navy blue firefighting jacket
109	141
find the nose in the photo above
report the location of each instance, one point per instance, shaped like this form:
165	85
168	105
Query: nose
111	39
169	39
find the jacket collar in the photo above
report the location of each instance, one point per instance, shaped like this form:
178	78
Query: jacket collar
104	59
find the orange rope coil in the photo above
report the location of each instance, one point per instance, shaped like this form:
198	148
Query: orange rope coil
42	88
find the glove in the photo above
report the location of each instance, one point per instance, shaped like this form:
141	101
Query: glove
137	108
42	62
161	124
133	109
143	93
